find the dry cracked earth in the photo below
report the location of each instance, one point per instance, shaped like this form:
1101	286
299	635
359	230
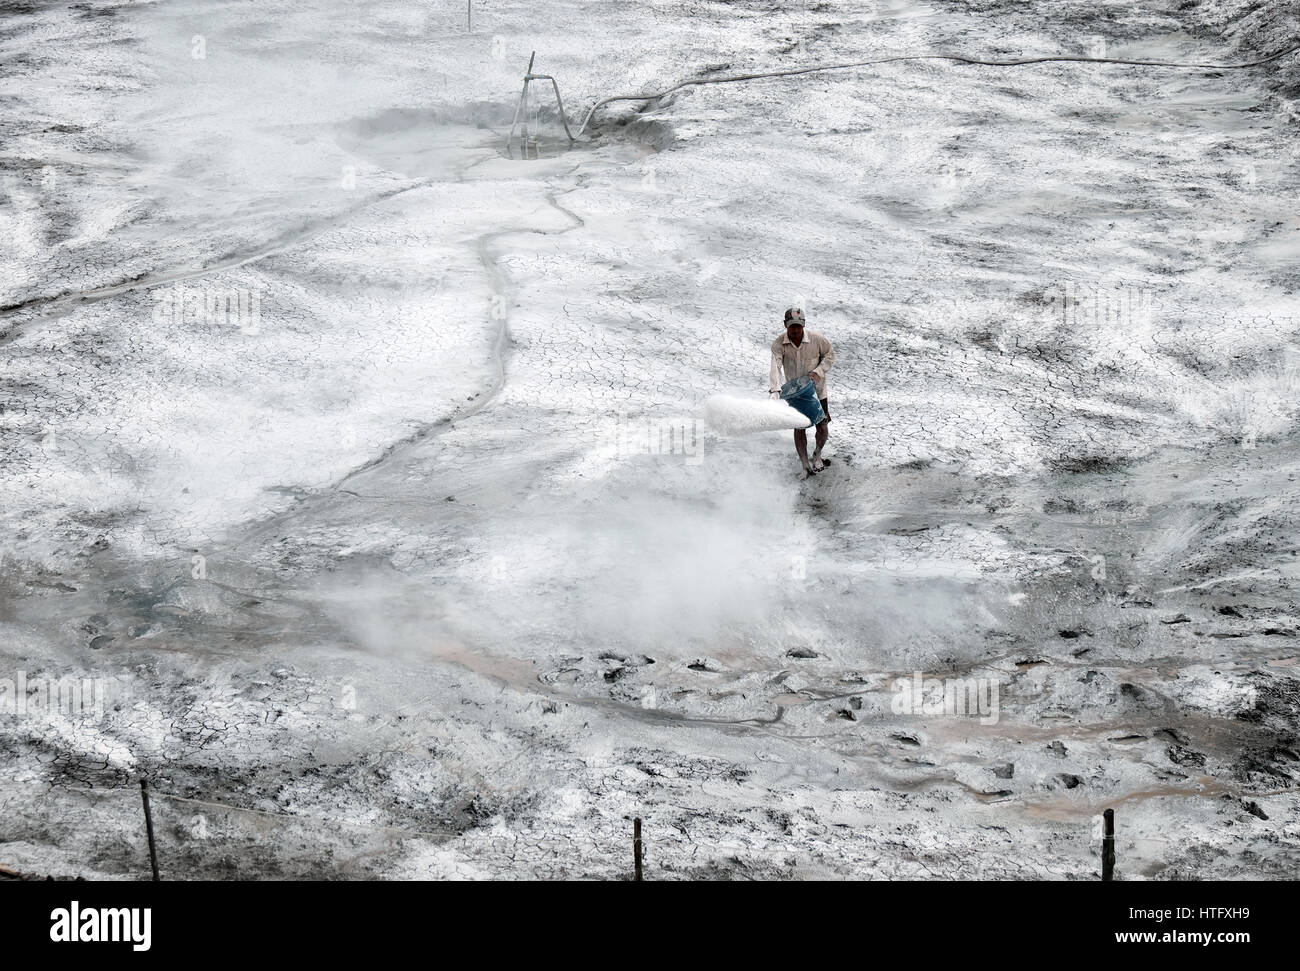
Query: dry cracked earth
332	442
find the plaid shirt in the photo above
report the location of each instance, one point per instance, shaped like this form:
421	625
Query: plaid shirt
814	356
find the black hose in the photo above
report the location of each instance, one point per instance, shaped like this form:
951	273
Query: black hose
960	58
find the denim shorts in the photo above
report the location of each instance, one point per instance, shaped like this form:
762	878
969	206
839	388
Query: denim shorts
798	393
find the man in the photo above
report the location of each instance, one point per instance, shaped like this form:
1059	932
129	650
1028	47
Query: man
797	353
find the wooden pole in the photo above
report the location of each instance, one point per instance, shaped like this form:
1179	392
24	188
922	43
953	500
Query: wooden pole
148	825
636	846
1108	846
469	15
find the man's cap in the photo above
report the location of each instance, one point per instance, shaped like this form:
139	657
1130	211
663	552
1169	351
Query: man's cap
794	316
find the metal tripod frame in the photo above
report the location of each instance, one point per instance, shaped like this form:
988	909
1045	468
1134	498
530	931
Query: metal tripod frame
529	78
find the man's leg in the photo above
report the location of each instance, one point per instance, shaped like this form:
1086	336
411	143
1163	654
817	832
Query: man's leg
823	433
801	446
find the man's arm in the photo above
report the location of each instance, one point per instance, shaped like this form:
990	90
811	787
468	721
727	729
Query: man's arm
774	381
828	358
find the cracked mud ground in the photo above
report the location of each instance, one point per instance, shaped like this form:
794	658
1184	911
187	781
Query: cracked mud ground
377	588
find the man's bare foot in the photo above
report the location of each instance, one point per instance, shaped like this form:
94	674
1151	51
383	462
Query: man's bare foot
817	463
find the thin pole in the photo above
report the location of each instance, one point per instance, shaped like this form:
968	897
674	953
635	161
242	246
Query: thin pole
469	15
564	119
1108	846
523	97
636	846
514	124
148	826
